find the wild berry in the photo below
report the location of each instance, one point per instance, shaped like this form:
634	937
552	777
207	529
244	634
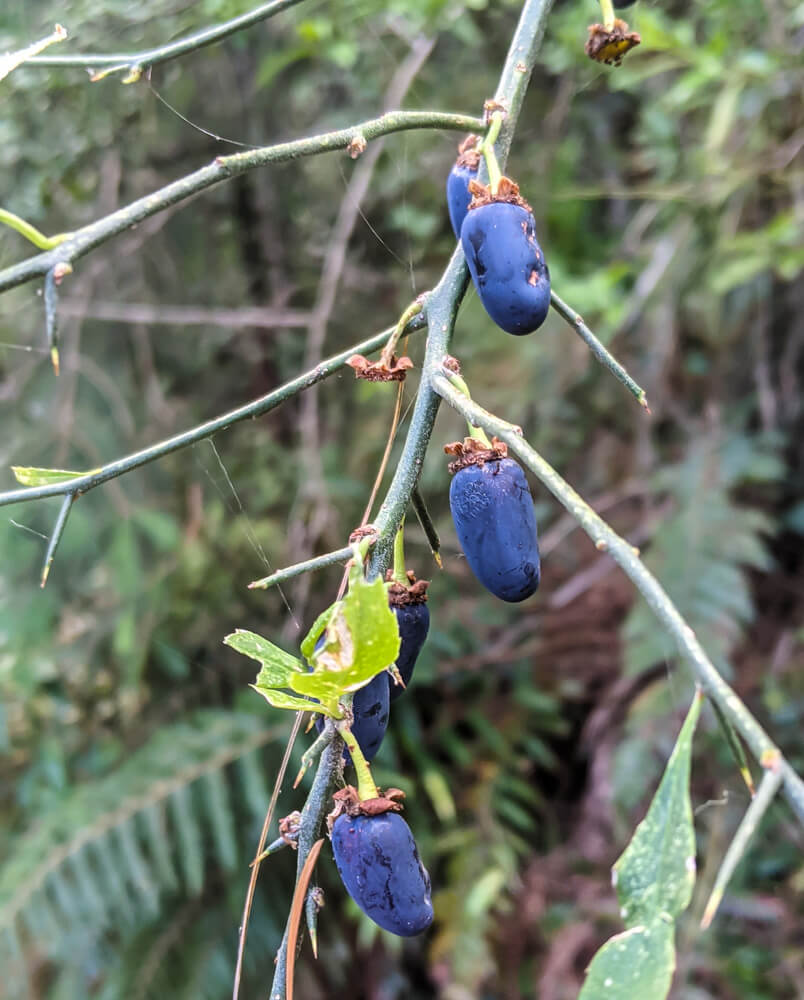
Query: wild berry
492	509
413	617
463	171
379	864
505	260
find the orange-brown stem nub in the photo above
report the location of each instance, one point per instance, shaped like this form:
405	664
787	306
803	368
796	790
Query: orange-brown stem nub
289	828
415	593
507	191
468	156
362	532
379	371
347	800
609	46
473	452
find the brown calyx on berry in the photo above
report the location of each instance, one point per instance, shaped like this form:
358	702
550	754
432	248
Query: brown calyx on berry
609	45
468	154
414	593
347	800
470	451
507	191
380	371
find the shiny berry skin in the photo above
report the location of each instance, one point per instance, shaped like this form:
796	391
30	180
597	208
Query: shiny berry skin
370	709
458	195
378	862
414	623
507	265
494	519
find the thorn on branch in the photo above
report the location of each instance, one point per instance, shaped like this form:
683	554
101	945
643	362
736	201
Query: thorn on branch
53	279
55	538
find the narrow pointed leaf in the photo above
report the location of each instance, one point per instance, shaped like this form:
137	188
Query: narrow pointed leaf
655	874
29	476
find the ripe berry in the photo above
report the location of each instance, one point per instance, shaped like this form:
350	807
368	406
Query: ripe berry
370	708
463	171
378	862
494	519
414	623
506	263
624	3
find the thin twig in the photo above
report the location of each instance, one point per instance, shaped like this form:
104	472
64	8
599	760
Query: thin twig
136	62
598	350
607	540
306	566
768	787
88	481
224	168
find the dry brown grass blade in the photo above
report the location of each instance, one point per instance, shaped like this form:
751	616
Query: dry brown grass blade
296	911
255	867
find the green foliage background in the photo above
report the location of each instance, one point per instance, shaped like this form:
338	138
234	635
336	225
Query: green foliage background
135	765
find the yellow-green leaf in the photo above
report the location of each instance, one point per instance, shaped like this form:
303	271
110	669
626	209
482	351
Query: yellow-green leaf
29	476
277	665
362	639
279	699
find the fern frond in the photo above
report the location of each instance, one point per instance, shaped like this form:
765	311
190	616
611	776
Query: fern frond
107	853
702	551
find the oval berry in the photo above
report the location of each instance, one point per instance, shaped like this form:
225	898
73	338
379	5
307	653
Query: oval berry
458	195
495	522
379	865
507	265
624	3
414	624
370	708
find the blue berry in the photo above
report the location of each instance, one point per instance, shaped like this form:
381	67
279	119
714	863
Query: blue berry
494	519
507	265
624	3
414	623
458	195
379	864
463	171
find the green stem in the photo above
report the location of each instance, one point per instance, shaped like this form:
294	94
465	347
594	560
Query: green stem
607	10
607	540
223	168
138	61
474	432
88	481
414	309
366	788
494	130
399	574
308	566
55	538
31	233
493	167
768	787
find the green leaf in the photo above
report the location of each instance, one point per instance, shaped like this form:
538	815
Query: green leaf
637	963
309	641
655	874
277	665
281	700
362	639
29	476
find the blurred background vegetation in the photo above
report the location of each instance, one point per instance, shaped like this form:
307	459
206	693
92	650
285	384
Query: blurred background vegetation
135	764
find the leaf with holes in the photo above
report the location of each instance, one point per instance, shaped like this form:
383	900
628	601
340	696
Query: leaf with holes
277	665
655	874
361	640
